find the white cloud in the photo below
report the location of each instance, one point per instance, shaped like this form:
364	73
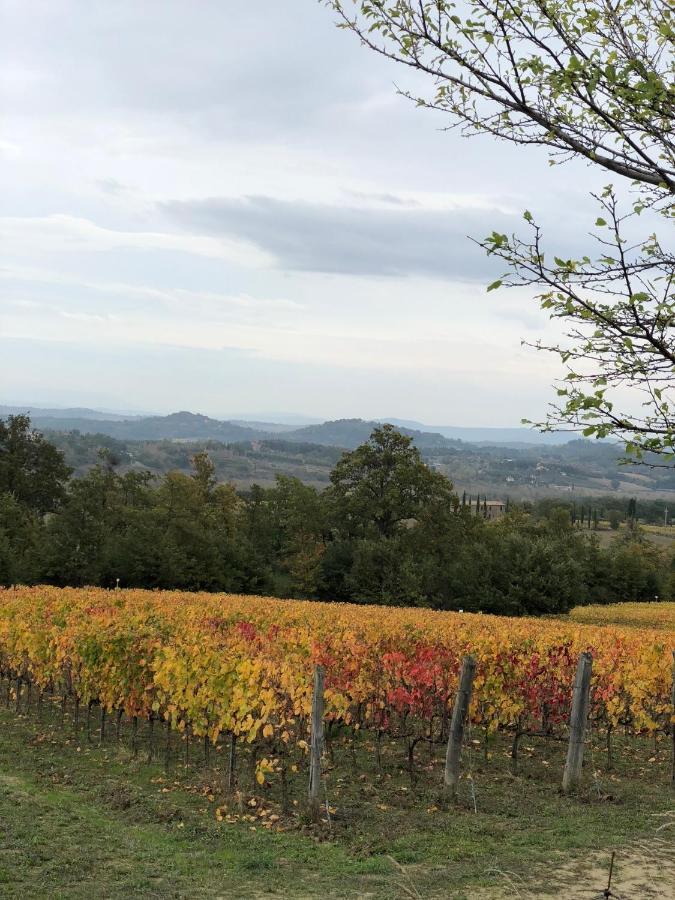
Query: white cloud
10	150
176	297
65	234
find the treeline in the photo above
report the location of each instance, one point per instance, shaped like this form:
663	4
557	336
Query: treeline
598	511
509	470
388	530
231	460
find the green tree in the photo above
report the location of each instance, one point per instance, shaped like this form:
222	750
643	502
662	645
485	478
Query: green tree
298	513
517	567
384	486
77	536
632	508
597	575
261	541
21	534
388	511
200	526
385	572
638	571
174	535
558	521
32	470
204	472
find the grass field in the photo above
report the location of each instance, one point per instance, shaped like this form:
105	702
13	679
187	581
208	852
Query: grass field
82	820
660	536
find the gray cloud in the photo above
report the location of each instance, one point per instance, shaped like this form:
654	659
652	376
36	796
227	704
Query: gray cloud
112	186
230	69
316	237
389	199
117	114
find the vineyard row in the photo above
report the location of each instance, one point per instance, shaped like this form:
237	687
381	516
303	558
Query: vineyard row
213	666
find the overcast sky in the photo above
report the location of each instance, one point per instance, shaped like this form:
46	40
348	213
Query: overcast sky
226	207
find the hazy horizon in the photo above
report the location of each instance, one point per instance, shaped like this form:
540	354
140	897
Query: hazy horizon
269	416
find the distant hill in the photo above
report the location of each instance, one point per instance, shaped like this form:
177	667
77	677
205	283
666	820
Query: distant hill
349	433
246	455
187	426
176	426
346	433
268	427
278	419
68	413
513	437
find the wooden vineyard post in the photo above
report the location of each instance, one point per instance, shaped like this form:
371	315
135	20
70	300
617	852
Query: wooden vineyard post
134	736
581	696
167	746
231	763
151	737
316	746
460	712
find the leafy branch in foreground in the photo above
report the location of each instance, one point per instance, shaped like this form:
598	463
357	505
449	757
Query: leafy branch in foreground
618	312
586	78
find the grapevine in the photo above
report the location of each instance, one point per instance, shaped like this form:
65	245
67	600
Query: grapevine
240	667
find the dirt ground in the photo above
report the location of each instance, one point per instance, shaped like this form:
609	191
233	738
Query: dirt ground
643	870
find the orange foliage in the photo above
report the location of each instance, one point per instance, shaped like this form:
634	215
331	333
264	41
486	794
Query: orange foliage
243	665
642	615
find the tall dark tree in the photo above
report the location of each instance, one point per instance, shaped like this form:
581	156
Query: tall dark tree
298	512
380	502
384	484
32	470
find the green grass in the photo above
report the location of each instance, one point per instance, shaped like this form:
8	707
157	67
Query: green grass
78	820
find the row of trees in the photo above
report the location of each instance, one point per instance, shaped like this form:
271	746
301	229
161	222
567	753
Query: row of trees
389	530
